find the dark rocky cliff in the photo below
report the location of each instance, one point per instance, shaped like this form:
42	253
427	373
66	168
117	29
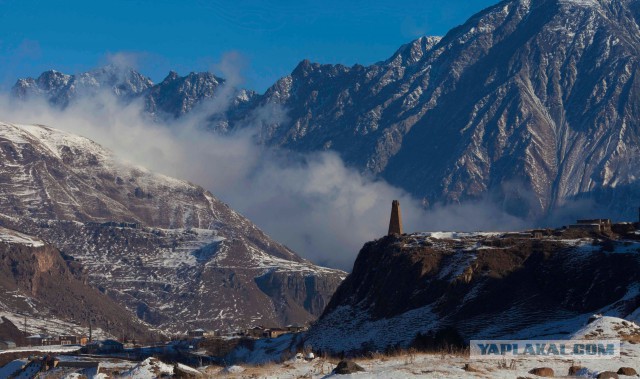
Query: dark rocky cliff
480	286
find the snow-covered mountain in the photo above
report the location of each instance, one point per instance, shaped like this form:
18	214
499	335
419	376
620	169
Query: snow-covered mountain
533	103
173	97
431	289
60	89
167	249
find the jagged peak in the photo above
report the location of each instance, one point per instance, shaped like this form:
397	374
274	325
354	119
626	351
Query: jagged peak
171	77
413	51
193	76
206	75
304	66
53	73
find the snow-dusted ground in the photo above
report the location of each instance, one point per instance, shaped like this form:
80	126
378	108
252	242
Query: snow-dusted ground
150	368
13	237
44	349
457	235
452	365
444	366
46	324
401	365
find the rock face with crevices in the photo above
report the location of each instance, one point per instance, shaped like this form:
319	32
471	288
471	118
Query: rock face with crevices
429	288
38	282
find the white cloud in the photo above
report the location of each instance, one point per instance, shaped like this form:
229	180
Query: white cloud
311	202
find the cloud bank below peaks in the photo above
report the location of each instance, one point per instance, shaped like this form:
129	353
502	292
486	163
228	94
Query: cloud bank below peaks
313	202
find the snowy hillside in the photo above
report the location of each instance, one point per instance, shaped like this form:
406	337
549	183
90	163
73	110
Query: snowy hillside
265	360
167	249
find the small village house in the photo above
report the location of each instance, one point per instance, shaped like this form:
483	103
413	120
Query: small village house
274	332
6	345
598	225
197	333
68	339
255	332
50	340
295	328
104	347
35	340
538	233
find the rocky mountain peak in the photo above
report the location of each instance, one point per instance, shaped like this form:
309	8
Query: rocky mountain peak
412	52
52	78
173	97
172	76
533	105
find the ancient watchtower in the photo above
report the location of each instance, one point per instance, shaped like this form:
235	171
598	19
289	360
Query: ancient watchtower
395	223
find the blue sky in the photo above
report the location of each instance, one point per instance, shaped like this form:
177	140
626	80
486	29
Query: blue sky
271	37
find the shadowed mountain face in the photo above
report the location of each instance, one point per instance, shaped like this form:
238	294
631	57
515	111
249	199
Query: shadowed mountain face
168	250
479	286
533	104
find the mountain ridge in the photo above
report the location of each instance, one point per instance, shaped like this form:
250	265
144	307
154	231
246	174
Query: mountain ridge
169	99
531	105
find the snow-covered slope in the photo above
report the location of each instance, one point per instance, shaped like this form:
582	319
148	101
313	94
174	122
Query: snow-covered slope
167	249
442	364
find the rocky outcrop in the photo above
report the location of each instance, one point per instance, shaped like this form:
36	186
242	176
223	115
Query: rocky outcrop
428	288
546	372
347	367
38	282
627	371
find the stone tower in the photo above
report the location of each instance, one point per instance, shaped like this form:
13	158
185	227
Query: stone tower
395	223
